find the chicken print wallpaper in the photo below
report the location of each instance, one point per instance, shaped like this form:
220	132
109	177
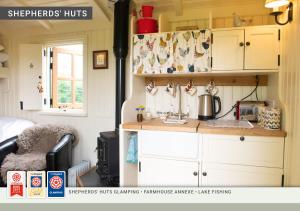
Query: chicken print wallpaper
173	52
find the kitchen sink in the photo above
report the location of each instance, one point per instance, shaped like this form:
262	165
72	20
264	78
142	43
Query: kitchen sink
175	121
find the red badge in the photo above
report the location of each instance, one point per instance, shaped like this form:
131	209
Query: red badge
16	190
16	184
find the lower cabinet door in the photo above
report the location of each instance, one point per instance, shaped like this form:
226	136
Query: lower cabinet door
241	176
167	173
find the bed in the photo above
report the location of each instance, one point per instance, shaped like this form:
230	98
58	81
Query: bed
10	127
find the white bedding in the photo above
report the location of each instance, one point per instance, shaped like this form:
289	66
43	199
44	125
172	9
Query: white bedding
10	127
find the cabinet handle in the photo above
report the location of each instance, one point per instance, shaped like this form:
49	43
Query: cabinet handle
242	138
241	44
248	43
195	173
204	174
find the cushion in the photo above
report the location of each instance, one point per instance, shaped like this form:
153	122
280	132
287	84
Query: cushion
24	162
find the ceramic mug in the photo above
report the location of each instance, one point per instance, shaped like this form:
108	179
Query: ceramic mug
151	89
190	89
171	89
148	116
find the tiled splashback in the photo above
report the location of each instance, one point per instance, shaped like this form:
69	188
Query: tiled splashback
229	95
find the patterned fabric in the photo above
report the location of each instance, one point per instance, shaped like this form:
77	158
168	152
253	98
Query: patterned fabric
172	52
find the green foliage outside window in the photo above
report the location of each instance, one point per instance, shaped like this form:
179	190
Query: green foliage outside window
64	91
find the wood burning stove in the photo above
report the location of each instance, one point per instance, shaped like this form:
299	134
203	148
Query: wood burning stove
108	142
108	158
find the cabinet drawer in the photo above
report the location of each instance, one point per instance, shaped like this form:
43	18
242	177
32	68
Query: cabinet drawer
168	144
240	176
248	150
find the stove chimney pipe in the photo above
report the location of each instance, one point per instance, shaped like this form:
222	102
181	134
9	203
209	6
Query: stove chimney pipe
121	36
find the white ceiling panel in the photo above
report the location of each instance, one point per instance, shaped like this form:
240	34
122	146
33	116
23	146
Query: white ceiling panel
196	3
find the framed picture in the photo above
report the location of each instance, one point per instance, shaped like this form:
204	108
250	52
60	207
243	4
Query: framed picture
100	59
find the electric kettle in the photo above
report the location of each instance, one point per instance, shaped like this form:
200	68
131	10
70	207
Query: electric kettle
207	106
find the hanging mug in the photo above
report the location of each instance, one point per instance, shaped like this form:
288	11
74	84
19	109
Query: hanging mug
190	89
171	89
151	89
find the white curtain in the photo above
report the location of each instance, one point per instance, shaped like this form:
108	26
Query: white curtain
289	89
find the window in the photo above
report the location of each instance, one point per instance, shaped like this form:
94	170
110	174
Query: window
66	76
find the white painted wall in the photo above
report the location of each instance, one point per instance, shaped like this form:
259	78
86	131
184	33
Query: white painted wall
221	13
101	92
289	89
229	95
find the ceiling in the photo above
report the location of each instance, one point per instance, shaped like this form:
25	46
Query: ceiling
197	3
178	5
101	13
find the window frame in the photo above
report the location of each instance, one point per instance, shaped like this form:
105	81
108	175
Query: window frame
72	78
47	109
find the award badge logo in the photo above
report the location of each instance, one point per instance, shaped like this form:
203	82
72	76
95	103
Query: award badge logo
56	184
36	184
16	184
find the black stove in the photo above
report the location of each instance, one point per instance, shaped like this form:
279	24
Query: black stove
108	142
108	158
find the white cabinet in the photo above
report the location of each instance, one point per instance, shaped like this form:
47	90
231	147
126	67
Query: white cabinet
162	172
242	160
31	65
244	150
228	50
235	175
262	48
250	48
191	159
168	144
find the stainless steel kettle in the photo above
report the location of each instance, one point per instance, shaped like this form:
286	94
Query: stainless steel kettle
207	106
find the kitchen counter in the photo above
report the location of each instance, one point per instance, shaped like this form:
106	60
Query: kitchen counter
156	124
196	126
256	131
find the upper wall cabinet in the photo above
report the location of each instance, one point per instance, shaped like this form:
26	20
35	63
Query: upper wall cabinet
173	52
251	48
228	50
262	48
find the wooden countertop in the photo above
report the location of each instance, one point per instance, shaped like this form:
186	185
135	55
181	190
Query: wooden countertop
256	131
196	126
156	124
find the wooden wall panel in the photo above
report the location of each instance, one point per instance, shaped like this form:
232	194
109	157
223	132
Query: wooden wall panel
229	95
101	92
255	20
289	88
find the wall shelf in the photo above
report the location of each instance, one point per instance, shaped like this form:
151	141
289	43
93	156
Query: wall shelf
204	80
213	73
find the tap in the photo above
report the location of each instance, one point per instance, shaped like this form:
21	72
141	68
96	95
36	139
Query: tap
180	114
